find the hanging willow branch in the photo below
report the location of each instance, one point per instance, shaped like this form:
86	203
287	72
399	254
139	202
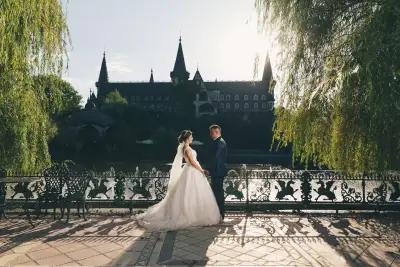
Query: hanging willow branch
33	40
339	86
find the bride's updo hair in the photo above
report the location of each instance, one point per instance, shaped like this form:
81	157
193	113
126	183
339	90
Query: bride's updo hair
184	135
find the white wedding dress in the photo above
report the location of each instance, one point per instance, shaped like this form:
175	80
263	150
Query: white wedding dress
189	200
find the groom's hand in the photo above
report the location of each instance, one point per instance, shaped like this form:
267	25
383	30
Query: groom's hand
206	172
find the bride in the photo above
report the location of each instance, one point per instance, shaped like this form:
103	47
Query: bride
189	200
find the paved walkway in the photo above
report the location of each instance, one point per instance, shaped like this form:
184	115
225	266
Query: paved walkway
260	240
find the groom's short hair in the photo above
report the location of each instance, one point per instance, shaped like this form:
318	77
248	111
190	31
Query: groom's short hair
214	126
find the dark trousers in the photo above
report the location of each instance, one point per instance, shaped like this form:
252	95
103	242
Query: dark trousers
217	186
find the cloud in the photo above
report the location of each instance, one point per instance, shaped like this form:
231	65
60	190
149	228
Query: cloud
118	63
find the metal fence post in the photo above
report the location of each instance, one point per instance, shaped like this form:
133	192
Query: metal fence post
305	187
363	187
119	189
244	171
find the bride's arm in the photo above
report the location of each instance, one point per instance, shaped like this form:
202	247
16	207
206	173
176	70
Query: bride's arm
188	154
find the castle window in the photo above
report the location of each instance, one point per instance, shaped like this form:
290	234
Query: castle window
228	106
246	105
255	97
263	97
236	105
255	105
246	97
221	97
222	105
270	105
146	98
228	97
236	97
264	105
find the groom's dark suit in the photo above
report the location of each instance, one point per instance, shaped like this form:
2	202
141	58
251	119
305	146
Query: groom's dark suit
217	154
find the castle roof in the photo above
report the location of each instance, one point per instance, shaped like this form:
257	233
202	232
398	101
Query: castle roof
237	87
142	88
197	76
165	88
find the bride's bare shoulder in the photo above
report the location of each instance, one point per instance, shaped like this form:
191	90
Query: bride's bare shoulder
187	150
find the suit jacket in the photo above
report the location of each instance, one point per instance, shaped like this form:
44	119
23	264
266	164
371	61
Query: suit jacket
217	158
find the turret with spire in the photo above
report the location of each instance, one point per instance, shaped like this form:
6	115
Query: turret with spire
103	76
267	73
179	74
91	102
102	83
198	80
151	77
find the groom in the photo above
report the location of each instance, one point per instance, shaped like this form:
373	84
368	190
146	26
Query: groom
216	166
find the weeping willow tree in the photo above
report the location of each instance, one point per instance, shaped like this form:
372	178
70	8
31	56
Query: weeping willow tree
57	97
33	40
339	80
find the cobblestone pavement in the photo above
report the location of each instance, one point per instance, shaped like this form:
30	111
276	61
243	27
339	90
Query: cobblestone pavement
258	240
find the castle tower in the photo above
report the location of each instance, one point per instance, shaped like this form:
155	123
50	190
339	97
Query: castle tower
198	80
267	73
91	101
179	74
151	77
102	82
202	102
103	76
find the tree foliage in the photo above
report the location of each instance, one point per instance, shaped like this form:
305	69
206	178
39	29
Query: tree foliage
57	97
339	72
33	38
115	98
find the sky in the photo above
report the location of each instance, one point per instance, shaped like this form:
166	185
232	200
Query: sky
220	37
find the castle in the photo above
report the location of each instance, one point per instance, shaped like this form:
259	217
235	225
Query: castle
209	97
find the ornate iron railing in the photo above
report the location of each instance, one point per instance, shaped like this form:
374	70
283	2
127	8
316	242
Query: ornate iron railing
247	188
